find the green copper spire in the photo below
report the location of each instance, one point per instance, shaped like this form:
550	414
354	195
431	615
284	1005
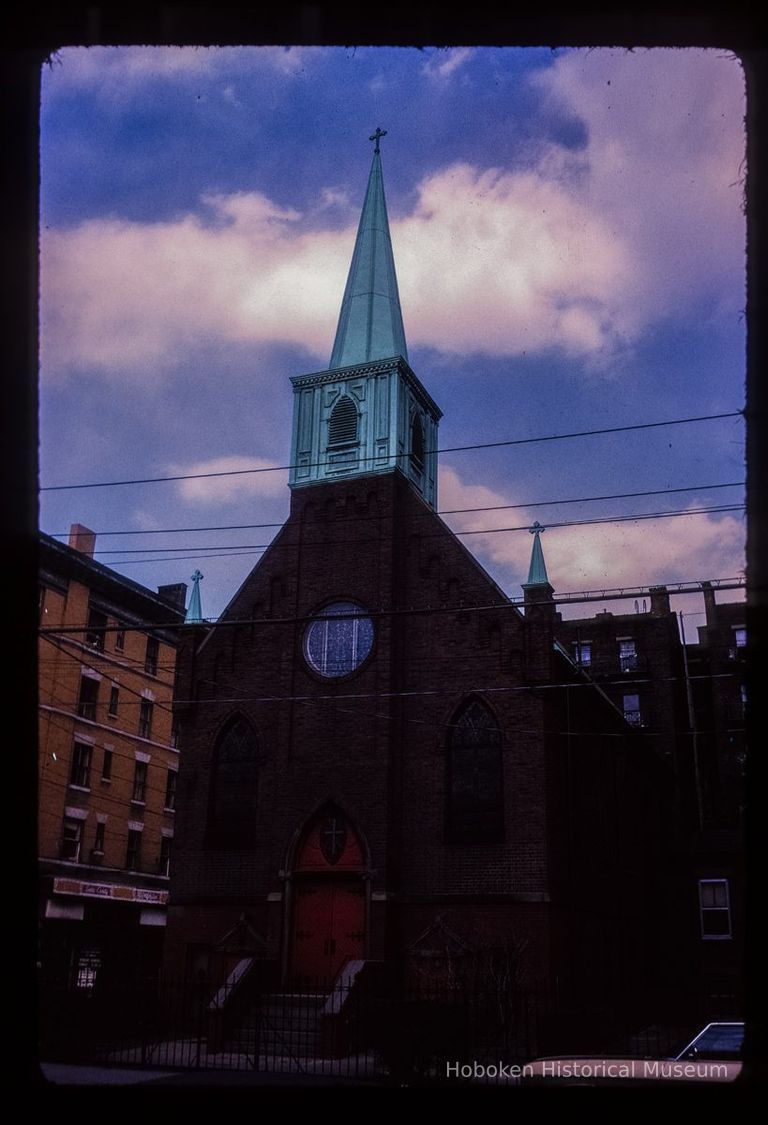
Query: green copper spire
371	321
195	611
537	572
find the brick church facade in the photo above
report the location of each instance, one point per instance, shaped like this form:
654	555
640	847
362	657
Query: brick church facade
386	761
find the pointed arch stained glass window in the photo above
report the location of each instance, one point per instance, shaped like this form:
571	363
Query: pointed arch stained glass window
475	794
234	786
339	640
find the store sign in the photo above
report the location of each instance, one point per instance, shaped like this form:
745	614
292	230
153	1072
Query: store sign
113	891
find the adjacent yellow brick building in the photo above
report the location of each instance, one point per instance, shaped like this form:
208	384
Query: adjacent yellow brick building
107	764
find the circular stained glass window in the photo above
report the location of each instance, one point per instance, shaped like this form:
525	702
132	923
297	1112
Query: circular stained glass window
338	640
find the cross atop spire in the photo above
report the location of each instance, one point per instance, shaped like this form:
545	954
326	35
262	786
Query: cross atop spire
371	321
377	137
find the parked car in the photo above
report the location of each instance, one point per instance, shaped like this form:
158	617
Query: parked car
713	1055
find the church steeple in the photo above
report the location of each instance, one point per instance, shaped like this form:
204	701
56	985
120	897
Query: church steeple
537	571
195	610
537	591
368	413
371	321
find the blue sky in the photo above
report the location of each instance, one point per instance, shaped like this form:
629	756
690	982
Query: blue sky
569	238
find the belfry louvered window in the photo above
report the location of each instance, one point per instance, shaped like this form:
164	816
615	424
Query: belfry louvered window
417	444
342	425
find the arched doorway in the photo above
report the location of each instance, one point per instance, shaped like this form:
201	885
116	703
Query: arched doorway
328	900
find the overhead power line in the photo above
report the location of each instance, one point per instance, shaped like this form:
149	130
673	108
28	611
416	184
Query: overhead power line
623	593
447	449
304	544
441	511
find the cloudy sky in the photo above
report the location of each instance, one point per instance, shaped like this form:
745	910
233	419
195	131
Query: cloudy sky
569	239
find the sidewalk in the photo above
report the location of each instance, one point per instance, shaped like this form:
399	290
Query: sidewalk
65	1074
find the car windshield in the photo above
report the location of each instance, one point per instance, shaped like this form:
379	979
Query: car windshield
717	1041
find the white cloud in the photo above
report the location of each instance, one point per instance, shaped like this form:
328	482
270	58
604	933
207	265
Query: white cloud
146	521
578	252
602	556
442	64
207	491
116	71
663	163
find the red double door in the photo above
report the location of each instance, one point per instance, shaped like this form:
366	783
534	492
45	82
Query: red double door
328	926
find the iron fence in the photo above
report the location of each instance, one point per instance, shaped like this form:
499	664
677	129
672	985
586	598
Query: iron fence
396	1034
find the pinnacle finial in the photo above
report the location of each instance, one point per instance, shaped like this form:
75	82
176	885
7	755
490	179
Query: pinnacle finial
377	137
537	573
195	610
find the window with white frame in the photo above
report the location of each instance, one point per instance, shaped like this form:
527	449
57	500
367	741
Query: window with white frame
97	624
170	790
88	698
80	775
139	782
133	851
106	765
71	839
627	655
631	708
150	660
164	860
145	718
582	651
714	909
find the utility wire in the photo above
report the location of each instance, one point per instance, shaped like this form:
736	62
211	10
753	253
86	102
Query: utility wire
307	543
447	449
631	592
441	511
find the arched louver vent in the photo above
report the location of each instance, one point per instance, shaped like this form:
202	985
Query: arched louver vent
417	443
342	427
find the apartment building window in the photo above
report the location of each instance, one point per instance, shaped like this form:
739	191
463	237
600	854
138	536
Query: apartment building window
170	790
120	640
81	765
714	909
71	839
150	661
139	782
97	623
114	696
145	719
86	968
740	637
88	698
133	853
106	766
98	840
175	734
164	861
583	653
627	655
631	708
